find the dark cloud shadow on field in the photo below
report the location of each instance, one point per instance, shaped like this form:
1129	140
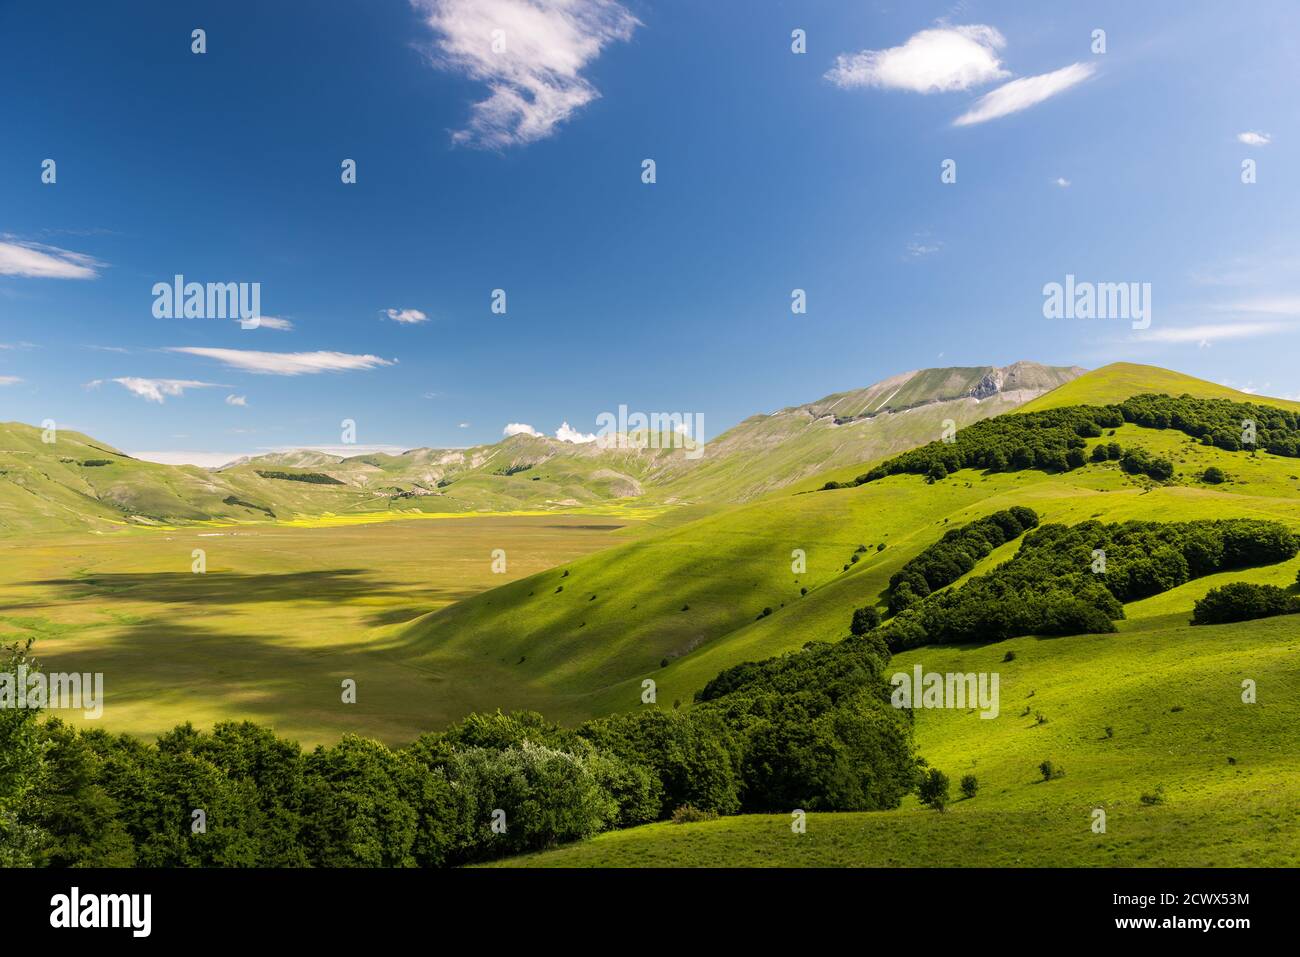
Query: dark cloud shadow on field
170	667
227	588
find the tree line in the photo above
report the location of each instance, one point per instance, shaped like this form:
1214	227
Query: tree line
1065	579
1053	440
812	731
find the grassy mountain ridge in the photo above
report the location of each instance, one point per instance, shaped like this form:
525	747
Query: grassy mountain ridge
79	483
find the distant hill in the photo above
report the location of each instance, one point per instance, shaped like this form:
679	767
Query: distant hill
78	482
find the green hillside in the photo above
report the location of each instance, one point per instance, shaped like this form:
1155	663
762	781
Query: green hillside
1225	772
1121	380
78	483
694	594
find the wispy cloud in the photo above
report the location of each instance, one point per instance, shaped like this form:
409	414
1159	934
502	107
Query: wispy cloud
1254	138
286	363
270	322
1206	333
154	390
920	248
1023	93
407	316
939	60
38	261
1062	182
9	380
529	53
240	400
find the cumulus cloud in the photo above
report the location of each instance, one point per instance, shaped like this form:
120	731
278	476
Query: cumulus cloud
286	363
154	390
1023	93
408	316
566	433
1062	182
939	60
529	53
237	400
1254	138
38	261
519	428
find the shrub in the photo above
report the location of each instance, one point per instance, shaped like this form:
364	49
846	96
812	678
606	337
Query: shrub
969	786
686	814
933	789
1214	476
1155	797
864	620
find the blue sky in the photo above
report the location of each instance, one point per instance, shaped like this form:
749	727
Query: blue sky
521	169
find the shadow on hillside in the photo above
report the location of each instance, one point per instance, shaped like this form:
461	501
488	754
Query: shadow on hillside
227	588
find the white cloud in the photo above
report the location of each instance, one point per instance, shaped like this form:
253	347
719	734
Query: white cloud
536	81
1209	332
37	261
408	316
516	428
463	425
917	249
1062	182
9	380
1254	138
1276	306
1023	93
286	363
271	322
241	400
566	433
154	390
939	60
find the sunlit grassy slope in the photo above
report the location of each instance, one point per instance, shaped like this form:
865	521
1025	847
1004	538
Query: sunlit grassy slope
1120	380
682	605
1227	773
1148	724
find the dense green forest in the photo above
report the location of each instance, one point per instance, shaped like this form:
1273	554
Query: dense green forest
1053	440
816	732
1064	580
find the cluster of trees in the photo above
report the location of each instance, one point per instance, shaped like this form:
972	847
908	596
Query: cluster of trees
955	554
812	730
1068	580
1243	601
1218	422
1053	440
315	478
1136	461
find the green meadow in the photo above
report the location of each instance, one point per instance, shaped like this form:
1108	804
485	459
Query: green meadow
1148	724
279	619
